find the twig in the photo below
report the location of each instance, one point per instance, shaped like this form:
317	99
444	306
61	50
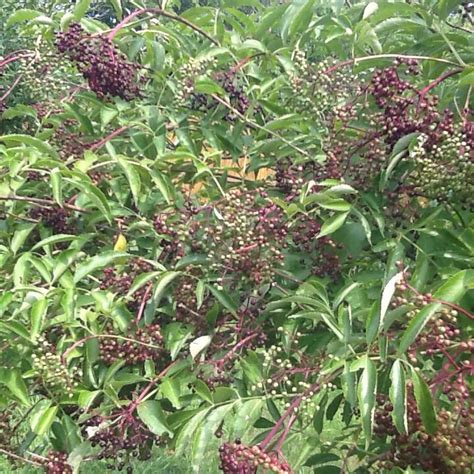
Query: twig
160	12
109	137
385	56
103	336
11	88
143	303
259	127
19	458
42	202
437	81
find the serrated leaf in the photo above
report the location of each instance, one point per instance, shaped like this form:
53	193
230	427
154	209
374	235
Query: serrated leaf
366	394
42	420
151	413
424	402
96	263
133	177
398	397
332	224
31	141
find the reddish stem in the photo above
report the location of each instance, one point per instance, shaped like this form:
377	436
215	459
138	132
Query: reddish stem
159	12
244	341
246	249
109	137
143	303
439	80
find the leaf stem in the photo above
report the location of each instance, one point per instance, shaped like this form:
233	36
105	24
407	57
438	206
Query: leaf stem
160	12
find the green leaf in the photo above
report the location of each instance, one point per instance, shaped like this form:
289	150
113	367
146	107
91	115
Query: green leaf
424	402
97	263
398	397
38	311
31	141
20	236
133	177
81	8
161	284
56	185
42	420
208	86
13	380
224	299
117	4
170	388
321	458
366	393
95	195
203	391
332	224
151	413
23	14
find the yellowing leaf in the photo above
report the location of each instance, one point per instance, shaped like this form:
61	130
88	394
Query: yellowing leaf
120	244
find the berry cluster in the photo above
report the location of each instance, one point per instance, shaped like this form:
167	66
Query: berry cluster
188	74
118	442
141	345
235	92
317	91
52	371
5	429
242	459
56	463
246	239
171	237
106	69
448	450
56	218
304	233
121	283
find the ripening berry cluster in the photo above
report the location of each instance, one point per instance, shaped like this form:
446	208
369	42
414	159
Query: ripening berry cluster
106	69
141	345
55	217
120	283
187	75
117	443
317	92
238	99
5	428
171	238
52	371
242	459
450	449
56	463
247	238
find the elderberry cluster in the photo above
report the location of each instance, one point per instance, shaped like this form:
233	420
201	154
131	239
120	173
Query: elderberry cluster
235	92
246	239
140	345
448	450
119	442
56	463
242	459
52	371
318	90
121	282
56	218
188	73
106	69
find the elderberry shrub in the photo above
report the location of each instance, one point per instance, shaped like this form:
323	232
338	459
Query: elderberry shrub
240	458
106	69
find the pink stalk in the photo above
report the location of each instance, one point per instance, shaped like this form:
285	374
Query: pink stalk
159	12
109	137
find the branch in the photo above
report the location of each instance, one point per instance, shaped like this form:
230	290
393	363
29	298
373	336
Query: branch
109	137
10	90
19	458
103	336
42	202
259	127
439	80
385	56
160	12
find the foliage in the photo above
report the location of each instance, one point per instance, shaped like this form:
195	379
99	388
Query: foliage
229	229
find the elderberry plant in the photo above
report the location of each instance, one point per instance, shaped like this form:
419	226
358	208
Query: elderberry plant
238	237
